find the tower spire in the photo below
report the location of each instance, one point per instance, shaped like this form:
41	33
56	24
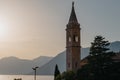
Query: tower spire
73	4
73	17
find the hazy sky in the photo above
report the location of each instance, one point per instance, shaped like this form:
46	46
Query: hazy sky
32	28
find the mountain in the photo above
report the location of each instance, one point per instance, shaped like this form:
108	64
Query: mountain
60	60
115	46
48	69
13	65
41	60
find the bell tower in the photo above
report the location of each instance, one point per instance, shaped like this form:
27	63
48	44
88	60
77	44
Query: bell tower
73	48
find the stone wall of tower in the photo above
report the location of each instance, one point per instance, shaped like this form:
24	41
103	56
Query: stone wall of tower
73	48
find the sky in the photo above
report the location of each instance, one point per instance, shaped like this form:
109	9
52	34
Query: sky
33	28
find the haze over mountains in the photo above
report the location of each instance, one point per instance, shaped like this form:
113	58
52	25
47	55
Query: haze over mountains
13	65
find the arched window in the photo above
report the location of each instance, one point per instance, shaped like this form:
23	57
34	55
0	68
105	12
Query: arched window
69	39
75	38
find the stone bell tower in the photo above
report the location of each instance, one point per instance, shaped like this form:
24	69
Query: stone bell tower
73	48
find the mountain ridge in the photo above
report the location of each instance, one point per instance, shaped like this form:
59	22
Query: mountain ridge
13	65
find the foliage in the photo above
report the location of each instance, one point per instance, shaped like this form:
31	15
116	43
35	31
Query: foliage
100	63
83	73
100	57
99	46
69	75
58	77
57	72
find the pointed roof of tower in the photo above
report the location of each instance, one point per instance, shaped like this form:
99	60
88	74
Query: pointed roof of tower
73	17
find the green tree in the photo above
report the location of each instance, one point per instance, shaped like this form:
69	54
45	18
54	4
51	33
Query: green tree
113	71
57	72
83	73
69	75
58	77
99	46
101	65
100	58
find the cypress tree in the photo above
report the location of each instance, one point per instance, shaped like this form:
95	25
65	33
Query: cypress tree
56	72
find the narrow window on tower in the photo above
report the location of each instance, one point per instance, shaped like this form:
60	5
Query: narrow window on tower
75	38
69	39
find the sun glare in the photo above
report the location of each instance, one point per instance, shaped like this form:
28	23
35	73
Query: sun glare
3	29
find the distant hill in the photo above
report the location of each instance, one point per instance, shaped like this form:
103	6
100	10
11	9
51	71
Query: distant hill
115	46
48	68
13	65
60	59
